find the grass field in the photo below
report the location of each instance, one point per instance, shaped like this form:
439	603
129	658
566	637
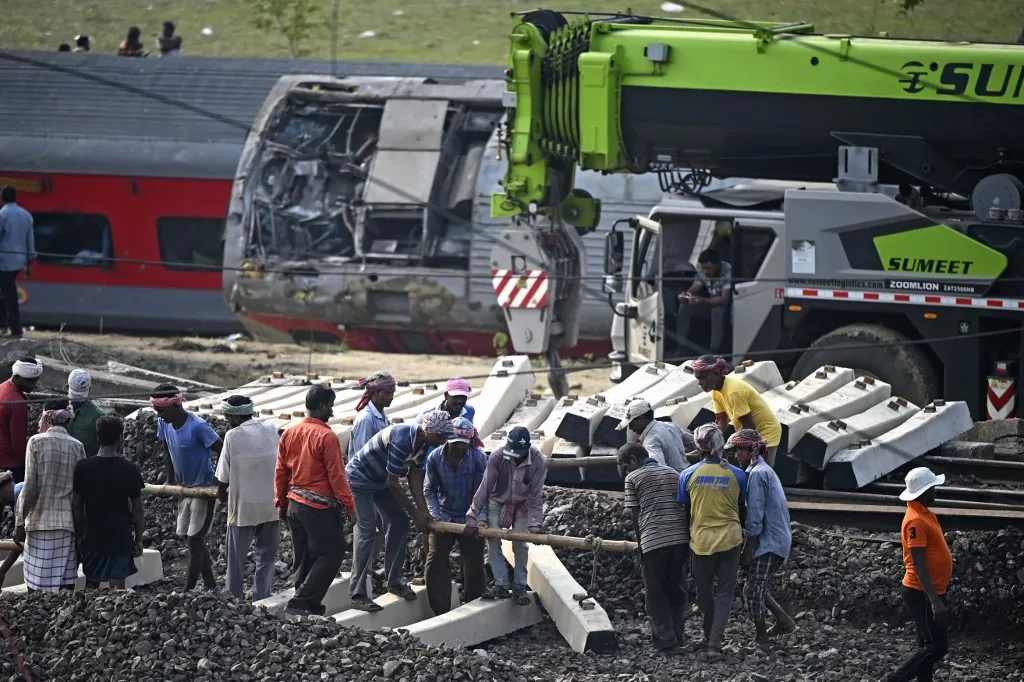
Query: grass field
455	31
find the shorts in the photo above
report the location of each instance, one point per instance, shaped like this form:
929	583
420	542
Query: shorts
102	567
195	514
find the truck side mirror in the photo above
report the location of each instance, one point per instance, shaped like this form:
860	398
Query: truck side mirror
614	249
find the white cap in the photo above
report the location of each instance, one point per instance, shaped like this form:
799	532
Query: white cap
79	384
635	409
920	480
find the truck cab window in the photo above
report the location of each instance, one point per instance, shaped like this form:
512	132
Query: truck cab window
191	243
750	246
74	239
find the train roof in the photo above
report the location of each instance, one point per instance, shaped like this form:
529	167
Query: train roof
89	113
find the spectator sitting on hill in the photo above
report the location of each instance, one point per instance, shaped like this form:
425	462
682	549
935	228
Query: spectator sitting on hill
131	46
169	44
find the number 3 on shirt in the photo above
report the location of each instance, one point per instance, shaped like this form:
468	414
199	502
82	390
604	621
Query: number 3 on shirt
912	532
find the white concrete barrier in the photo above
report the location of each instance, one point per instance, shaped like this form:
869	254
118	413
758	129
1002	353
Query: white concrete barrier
151	569
600	474
543	437
530	414
396	612
563	449
585	629
335	601
856	396
824	440
510	382
580	423
678	383
867	461
477	622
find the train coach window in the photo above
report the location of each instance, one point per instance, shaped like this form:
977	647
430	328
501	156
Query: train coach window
76	239
750	247
191	243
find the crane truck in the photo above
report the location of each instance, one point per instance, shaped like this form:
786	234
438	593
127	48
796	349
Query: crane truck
882	229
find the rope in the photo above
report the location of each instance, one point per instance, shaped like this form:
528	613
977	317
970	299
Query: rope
19	662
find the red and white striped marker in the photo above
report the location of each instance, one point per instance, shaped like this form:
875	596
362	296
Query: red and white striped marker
526	290
1001	398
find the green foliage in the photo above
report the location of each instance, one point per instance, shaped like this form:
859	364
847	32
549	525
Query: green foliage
500	342
296	20
908	5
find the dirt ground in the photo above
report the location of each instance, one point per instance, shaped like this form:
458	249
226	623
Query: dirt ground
212	361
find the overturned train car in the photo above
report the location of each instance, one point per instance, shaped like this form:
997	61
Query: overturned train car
361	213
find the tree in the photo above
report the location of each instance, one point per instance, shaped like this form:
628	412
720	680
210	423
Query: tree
297	20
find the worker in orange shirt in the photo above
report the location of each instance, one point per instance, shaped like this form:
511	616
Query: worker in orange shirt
929	567
312	494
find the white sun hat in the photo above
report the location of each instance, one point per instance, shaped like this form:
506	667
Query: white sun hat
920	480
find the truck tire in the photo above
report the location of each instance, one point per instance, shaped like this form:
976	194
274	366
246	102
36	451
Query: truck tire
905	367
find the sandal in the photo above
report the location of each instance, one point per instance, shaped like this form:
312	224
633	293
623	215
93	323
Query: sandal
366	604
521	597
497	592
404	591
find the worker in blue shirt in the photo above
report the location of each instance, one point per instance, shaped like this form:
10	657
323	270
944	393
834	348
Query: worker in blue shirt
454	471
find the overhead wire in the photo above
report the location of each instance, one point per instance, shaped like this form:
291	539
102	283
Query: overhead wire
672	360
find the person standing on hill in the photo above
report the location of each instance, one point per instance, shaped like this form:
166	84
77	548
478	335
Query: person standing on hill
312	492
25	375
107	504
245	481
736	401
168	43
714	491
188	443
17	251
768	536
929	566
45	522
87	413
662	531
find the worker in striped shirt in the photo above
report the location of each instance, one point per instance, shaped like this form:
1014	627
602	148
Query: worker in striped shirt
662	529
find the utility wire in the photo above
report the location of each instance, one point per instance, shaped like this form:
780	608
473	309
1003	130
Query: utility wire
675	360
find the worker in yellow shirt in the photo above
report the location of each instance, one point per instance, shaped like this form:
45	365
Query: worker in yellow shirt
738	402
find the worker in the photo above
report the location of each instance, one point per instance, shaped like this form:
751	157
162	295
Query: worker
9	493
17	251
714	491
456	393
25	374
107	504
245	482
929	566
454	471
663	537
710	296
188	443
767	532
375	473
665	442
312	492
83	427
510	496
378	394
735	400
45	524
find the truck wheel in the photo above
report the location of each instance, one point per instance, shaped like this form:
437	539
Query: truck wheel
905	367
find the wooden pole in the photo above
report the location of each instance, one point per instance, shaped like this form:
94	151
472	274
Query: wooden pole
565	541
180	490
9	546
576	462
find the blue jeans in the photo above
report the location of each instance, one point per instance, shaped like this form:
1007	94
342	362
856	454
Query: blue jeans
265	553
519	549
369	504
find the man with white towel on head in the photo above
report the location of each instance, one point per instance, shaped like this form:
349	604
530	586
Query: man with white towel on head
25	375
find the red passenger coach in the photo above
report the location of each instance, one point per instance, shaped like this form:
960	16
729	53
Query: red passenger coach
127	166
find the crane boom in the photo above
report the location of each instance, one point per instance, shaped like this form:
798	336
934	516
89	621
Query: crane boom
627	94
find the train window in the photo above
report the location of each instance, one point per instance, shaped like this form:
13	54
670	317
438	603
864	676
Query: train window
76	239
191	243
750	247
